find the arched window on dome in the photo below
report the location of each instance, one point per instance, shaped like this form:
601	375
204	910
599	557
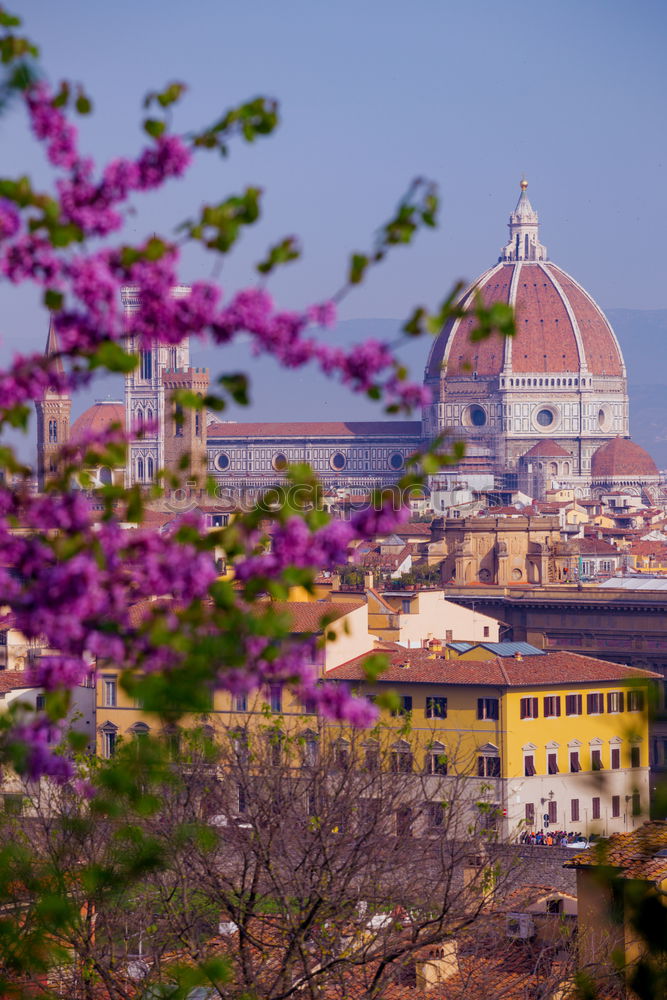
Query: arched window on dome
576	381
557	381
149	469
140	470
566	468
541	382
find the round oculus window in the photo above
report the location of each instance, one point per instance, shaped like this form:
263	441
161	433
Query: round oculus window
279	462
545	418
338	461
474	416
222	461
396	461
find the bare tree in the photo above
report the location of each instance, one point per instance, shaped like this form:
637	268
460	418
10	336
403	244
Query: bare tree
299	864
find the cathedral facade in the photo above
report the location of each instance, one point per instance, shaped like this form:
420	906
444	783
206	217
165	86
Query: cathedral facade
533	409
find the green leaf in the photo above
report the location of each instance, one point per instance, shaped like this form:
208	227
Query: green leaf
83	104
374	665
357	270
154	127
53	299
111	356
237	385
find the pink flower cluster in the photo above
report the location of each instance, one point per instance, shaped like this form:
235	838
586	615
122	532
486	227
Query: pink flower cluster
71	579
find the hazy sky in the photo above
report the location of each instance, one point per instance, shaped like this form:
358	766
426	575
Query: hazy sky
373	93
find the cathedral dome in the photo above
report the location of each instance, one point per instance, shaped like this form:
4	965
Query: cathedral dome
98	418
621	458
560	329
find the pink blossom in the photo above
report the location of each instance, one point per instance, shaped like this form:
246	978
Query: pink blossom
10	220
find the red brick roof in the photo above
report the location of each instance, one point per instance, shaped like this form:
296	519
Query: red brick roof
622	457
420	666
335	429
10	680
546	342
594	547
634	853
307	615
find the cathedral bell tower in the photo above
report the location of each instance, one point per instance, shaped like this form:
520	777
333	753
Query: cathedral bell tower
185	428
53	418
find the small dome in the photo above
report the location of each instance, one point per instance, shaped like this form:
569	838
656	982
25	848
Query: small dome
547	449
98	418
622	458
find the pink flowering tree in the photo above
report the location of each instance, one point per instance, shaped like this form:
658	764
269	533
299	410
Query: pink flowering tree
69	577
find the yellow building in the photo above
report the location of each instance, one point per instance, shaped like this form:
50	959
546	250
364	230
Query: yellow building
119	716
555	740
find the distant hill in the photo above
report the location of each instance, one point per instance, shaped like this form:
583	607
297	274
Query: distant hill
305	394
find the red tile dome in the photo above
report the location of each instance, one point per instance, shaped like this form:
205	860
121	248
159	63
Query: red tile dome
559	327
622	458
97	418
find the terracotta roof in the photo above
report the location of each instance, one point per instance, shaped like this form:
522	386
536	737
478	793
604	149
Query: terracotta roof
594	546
381	600
307	615
381	560
417	528
546	341
657	549
633	853
11	680
547	449
527	895
97	418
622	457
304	429
421	666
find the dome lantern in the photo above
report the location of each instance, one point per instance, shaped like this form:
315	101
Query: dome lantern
524	242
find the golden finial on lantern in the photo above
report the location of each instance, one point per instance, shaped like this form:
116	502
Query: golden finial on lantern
524	183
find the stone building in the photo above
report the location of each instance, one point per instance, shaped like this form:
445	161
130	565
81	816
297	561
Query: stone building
53	418
532	409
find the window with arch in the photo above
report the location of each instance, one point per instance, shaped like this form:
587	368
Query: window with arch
149	469
139	730
139	423
140	470
53	431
